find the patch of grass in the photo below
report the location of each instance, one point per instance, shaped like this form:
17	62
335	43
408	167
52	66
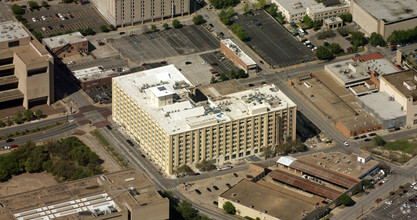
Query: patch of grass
402	145
100	138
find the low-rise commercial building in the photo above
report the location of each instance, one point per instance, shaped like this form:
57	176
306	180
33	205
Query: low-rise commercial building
384	17
26	68
237	56
402	87
131	12
121	195
177	123
67	44
321	12
358	125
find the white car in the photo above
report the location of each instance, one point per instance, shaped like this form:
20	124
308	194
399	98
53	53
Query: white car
71	62
43	17
345	143
34	19
413	184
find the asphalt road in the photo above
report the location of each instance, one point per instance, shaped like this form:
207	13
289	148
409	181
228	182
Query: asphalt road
31	125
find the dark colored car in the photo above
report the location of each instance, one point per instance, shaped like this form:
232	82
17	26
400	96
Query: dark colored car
215	187
196	174
130	143
108	127
163	62
143	155
372	134
262	62
208	189
144	64
121	33
188	63
9	140
251	85
198	191
235	174
215	203
228	185
211	25
363	136
100	43
397	129
367	139
214	64
356	138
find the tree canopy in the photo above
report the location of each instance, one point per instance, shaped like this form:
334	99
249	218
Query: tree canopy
335	48
229	208
223	3
403	36
67	159
346	17
176	23
308	22
376	40
205	165
379	141
17	9
358	38
323	53
198	19
345	200
272	10
240	33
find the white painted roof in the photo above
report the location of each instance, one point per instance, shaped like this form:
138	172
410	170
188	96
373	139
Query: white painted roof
161	91
238	52
11	30
286	160
62	40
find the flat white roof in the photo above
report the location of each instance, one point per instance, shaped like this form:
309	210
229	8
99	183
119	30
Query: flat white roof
62	40
296	7
162	90
389	10
183	115
11	30
382	104
352	71
238	52
286	160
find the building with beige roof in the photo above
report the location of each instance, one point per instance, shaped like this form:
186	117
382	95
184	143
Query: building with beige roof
121	195
177	123
402	87
67	44
26	68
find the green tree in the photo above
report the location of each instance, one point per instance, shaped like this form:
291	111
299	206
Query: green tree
272	10
67	1
45	4
112	27
323	53
232	74
358	38
317	25
154	28
38	113
176	23
379	141
346	17
280	17
267	151
261	4
89	31
9	122
103	28
345	200
198	19
165	26
28	115
184	170
205	165
308	22
224	17
33	5
376	40
366	182
218	4
241	73
223	77
37	35
335	48
246	8
16	9
229	208
187	211
19	17
241	34
213	80
18	116
2	124
343	31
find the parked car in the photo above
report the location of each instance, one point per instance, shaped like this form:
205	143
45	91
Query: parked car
228	185
197	191
188	63
367	139
372	134
235	174
380	183
363	136
130	143
378	200
215	203
9	140
208	189
215	187
356	138
108	127
214	64
121	32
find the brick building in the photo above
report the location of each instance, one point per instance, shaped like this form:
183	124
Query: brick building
237	56
67	44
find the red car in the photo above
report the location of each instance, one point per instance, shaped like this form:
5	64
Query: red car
144	64
378	200
214	64
261	61
380	183
14	146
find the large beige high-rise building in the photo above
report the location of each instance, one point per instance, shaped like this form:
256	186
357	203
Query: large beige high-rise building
130	12
177	123
26	68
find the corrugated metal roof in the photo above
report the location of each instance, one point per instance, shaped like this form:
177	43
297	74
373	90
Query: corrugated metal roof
286	160
304	184
324	173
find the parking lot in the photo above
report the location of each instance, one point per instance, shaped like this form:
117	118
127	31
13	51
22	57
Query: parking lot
107	63
219	63
76	17
166	43
401	206
272	42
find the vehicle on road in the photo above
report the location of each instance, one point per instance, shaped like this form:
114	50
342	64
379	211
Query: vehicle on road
378	200
262	62
121	32
130	143
225	167
345	143
235	174
197	174
188	63
228	185
14	146
9	140
108	127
